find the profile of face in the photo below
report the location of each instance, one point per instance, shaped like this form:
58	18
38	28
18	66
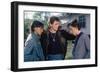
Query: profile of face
55	25
73	30
38	30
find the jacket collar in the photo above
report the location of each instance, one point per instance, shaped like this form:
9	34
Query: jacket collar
36	36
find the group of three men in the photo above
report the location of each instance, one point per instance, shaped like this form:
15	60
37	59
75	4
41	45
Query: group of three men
52	44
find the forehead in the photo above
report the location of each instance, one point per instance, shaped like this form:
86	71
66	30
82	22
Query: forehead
56	21
39	27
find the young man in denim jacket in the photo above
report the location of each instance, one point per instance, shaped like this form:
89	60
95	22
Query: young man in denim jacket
33	50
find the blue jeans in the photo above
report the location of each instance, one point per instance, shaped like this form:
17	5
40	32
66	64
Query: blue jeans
55	57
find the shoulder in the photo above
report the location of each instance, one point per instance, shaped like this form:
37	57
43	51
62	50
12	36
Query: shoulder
29	39
84	36
44	35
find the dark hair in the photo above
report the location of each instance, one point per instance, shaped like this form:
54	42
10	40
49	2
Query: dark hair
74	23
36	24
53	18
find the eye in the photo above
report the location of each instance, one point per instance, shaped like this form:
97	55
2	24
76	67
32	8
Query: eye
56	24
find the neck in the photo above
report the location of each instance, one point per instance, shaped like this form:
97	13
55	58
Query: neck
52	31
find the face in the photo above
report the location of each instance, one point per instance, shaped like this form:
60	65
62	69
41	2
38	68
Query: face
39	30
55	25
73	30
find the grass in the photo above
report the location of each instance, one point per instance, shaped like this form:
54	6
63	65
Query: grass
69	50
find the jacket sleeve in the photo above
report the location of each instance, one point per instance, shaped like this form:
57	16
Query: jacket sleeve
39	52
28	49
67	35
87	45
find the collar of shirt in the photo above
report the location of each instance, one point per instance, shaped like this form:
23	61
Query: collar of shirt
35	36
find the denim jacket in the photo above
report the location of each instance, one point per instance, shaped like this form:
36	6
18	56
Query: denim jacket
33	50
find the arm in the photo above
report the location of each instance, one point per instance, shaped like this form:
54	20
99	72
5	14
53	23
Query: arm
87	45
44	44
38	51
67	35
28	51
40	54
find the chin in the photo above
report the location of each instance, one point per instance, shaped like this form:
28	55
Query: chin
56	30
40	34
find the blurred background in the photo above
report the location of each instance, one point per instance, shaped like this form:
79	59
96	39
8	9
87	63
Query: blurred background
84	21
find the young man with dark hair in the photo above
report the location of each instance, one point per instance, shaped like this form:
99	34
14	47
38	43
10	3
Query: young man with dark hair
81	48
54	41
33	50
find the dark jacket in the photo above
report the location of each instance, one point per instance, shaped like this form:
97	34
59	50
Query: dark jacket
63	37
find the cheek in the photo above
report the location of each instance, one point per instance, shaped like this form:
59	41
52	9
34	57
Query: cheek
57	26
73	31
41	30
53	26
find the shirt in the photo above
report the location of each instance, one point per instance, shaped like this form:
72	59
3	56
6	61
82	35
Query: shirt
54	46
